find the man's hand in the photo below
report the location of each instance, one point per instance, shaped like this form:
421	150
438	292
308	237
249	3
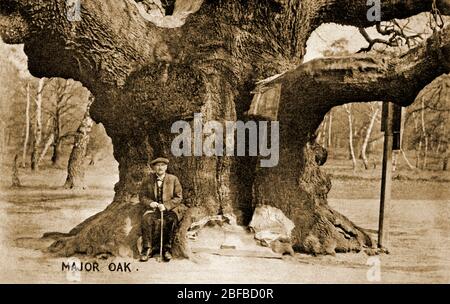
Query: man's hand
161	207
154	204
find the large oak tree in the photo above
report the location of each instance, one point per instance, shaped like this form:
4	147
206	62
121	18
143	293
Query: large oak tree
147	71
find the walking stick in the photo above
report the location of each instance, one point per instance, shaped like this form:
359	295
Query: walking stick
161	238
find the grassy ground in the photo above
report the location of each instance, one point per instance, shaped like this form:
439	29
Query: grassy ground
407	183
419	235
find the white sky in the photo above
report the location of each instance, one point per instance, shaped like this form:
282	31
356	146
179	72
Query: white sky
326	34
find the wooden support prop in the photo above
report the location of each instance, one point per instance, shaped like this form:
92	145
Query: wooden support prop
397	127
386	176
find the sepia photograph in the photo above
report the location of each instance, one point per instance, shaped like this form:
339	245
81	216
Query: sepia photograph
224	142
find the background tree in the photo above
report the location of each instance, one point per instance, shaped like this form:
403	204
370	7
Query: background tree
37	126
15	183
351	150
63	112
373	114
63	106
27	126
77	165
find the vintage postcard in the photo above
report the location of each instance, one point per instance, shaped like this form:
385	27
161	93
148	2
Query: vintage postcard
224	141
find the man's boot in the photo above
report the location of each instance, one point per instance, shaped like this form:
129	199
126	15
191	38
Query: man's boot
167	256
145	254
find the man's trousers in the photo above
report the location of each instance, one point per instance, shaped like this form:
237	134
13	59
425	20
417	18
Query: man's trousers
151	230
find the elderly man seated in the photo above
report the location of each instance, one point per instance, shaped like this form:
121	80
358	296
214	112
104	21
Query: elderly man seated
161	195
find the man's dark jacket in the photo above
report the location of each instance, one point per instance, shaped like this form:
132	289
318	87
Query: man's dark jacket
172	194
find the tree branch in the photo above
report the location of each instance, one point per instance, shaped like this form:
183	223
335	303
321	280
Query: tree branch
354	12
333	81
112	39
98	50
372	42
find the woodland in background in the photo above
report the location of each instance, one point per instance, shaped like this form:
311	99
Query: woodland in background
40	117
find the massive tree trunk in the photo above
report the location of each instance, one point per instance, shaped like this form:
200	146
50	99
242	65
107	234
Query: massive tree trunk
147	74
76	166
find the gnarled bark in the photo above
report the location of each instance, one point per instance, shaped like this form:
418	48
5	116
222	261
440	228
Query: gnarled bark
146	77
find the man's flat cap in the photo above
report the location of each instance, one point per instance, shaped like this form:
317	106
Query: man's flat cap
159	160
